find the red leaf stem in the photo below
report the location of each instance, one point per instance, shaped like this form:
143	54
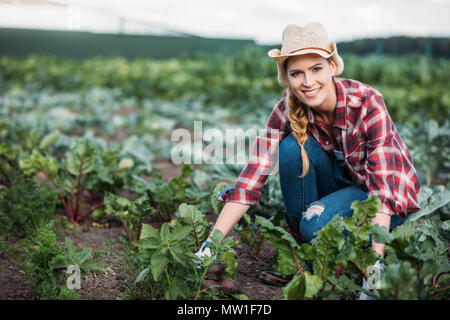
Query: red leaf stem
359	269
338	274
78	198
98	205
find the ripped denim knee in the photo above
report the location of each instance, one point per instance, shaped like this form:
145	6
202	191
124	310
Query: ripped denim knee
314	209
308	225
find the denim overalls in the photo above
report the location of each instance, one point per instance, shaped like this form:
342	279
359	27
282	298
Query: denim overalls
327	183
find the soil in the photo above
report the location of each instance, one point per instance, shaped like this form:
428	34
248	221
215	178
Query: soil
109	285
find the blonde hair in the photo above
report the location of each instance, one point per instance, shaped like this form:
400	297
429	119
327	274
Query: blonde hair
298	117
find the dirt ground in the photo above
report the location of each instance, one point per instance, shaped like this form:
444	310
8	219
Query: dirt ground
109	285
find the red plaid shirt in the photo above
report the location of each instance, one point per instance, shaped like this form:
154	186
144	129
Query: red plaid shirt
375	155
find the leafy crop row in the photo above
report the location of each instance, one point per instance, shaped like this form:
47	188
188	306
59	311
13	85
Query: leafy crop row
244	81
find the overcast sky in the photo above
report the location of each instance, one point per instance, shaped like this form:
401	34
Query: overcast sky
261	20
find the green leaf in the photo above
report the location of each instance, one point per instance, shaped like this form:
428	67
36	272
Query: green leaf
381	234
149	232
91	265
313	284
37	161
83	155
359	224
230	261
399	282
180	184
240	296
178	254
306	252
217	236
123	202
215	204
60	262
49	139
295	289
406	230
70	248
180	234
303	286
431	202
286	262
158	263
192	217
142	275
165	233
365	210
83	254
275	232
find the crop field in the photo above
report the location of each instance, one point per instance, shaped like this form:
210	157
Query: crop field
93	205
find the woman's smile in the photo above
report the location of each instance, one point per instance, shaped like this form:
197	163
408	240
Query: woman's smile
311	93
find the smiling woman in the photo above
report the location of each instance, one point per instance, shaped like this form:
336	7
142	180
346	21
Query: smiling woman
315	84
337	144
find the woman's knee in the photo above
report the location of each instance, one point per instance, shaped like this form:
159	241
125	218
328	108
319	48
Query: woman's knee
309	223
321	212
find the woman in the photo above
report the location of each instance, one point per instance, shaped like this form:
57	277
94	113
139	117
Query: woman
337	144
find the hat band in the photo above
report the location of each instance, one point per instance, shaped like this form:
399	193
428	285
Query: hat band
315	48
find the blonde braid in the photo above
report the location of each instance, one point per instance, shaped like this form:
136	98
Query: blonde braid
299	121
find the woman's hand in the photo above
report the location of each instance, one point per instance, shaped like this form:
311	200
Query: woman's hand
373	282
203	252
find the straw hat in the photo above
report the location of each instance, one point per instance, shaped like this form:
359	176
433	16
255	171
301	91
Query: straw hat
297	40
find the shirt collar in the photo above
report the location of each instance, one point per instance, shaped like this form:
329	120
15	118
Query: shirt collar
341	106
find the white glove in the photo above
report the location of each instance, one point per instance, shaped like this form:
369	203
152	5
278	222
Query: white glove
204	251
374	279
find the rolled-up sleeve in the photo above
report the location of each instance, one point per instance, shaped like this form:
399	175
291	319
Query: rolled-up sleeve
390	173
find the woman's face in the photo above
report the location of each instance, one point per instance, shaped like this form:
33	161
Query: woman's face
310	78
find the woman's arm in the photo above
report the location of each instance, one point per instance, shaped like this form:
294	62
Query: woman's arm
229	216
384	220
389	171
262	163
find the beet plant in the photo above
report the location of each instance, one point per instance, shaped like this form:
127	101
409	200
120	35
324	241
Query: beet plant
132	214
82	177
171	269
330	255
333	265
167	196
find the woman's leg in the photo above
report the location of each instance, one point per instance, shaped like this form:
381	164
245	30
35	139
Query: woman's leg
299	193
338	202
311	202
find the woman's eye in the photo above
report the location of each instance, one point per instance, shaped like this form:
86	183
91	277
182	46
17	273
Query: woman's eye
317	69
295	73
